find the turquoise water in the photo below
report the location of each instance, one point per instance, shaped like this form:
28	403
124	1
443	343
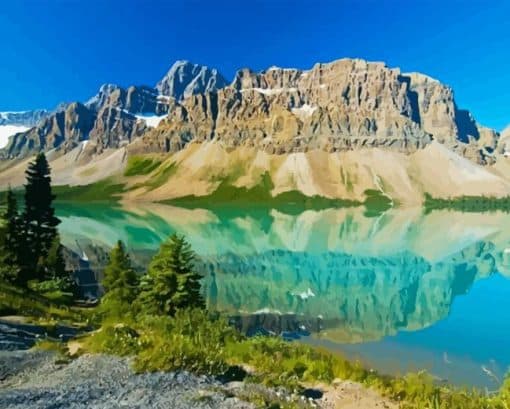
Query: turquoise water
401	291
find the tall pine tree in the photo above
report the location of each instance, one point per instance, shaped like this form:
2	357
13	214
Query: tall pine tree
10	246
171	282
39	220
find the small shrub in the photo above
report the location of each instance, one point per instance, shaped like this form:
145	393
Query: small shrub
117	339
190	341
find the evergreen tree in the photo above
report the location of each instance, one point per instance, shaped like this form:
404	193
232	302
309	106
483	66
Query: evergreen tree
10	246
53	268
171	282
54	263
39	220
120	283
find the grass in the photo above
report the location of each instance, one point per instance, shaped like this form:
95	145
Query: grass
14	300
376	203
103	191
468	203
140	165
204	344
259	195
161	176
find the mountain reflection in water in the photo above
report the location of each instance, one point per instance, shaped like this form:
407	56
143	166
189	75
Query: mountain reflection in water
404	290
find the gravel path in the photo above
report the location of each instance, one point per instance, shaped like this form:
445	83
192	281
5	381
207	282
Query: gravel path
36	380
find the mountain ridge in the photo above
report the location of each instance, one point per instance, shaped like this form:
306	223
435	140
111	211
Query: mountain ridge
269	117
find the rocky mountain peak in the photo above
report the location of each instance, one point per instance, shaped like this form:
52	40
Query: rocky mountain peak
101	98
342	105
185	79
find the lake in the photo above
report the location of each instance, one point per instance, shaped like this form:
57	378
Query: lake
400	291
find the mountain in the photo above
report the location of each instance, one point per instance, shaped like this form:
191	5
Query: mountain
62	128
24	118
185	79
343	105
118	115
335	130
504	142
12	123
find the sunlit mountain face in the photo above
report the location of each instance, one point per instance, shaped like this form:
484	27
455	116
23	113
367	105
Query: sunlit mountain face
399	288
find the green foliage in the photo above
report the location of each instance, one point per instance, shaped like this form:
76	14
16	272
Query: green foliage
120	283
10	240
102	191
280	363
23	301
161	176
227	194
139	165
53	267
376	203
39	225
30	243
116	339
191	340
171	282
468	203
58	290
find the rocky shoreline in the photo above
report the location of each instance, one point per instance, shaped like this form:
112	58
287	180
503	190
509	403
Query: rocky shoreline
41	379
38	379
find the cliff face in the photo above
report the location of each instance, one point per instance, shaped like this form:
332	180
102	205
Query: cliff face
343	105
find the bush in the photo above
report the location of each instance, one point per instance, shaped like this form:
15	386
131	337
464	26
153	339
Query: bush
190	341
280	363
116	340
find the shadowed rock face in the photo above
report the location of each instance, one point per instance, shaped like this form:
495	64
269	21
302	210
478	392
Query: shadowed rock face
134	99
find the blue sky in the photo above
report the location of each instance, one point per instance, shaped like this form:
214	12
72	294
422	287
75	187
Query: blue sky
53	51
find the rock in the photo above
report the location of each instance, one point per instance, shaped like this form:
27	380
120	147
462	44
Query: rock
61	129
98	381
343	105
185	79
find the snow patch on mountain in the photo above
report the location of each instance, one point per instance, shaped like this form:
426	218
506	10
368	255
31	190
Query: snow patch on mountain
304	111
151	120
270	91
8	130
